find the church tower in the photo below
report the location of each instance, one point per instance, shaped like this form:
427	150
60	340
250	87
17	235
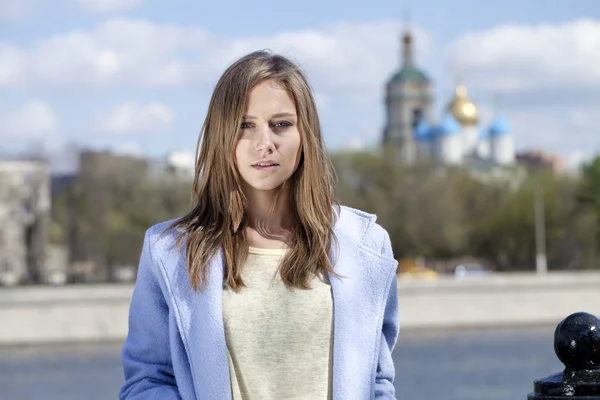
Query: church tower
408	100
464	110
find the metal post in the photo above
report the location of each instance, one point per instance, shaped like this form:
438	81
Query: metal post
577	345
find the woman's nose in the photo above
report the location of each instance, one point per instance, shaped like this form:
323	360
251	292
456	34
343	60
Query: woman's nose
265	140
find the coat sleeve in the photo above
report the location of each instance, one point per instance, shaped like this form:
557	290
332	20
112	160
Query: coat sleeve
384	378
146	353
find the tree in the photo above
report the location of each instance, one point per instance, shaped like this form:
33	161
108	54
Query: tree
589	197
419	207
443	213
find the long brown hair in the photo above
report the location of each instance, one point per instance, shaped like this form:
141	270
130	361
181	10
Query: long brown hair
217	218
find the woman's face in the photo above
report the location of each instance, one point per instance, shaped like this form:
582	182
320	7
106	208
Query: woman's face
268	148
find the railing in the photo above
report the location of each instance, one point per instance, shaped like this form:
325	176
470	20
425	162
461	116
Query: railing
577	345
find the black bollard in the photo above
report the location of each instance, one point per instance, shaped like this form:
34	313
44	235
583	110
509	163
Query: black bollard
577	345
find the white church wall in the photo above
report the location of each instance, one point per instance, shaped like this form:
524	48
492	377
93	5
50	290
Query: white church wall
470	139
483	149
502	149
450	149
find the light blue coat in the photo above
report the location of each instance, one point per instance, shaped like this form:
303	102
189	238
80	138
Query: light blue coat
176	348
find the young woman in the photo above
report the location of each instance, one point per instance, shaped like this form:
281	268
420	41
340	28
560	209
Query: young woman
266	289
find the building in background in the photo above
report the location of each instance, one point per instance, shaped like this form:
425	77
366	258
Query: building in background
111	202
24	221
537	159
408	99
104	178
179	166
457	138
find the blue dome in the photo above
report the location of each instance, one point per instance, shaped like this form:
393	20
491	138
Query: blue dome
499	127
448	126
483	134
423	131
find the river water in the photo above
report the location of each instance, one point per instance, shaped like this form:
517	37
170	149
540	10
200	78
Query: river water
441	365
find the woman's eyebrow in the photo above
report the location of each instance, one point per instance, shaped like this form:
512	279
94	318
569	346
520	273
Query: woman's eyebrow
278	115
283	114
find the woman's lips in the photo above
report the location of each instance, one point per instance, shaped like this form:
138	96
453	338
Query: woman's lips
265	168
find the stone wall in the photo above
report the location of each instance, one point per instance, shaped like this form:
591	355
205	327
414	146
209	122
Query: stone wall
24	220
84	313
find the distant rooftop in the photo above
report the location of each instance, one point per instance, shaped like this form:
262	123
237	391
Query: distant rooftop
21	165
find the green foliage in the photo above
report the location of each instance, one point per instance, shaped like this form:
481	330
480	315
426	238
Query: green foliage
103	218
446	213
429	212
589	196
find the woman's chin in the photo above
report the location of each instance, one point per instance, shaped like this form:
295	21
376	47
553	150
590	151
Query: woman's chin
264	186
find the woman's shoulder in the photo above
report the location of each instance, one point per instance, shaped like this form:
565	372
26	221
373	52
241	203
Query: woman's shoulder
362	228
162	237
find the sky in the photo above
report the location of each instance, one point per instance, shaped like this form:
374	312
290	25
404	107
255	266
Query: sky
135	76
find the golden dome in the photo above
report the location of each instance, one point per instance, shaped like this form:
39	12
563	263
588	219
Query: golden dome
463	109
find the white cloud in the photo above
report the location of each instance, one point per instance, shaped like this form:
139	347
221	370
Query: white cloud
535	128
11	64
11	10
354	144
183	160
558	129
115	52
135	118
548	79
63	156
34	119
107	6
343	61
357	57
576	159
585	118
518	58
129	148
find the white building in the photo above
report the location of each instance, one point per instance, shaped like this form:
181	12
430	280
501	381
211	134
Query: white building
502	149
178	166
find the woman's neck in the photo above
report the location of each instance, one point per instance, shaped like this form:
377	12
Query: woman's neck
269	218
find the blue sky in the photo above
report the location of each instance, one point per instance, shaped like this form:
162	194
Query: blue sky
135	76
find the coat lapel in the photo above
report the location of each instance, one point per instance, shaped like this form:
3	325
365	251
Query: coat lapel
358	307
201	325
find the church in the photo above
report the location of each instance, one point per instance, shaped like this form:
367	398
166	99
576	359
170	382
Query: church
456	138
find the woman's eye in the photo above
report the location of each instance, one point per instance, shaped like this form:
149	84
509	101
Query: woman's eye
282	124
245	125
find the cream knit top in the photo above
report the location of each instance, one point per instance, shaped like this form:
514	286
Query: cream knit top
279	340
